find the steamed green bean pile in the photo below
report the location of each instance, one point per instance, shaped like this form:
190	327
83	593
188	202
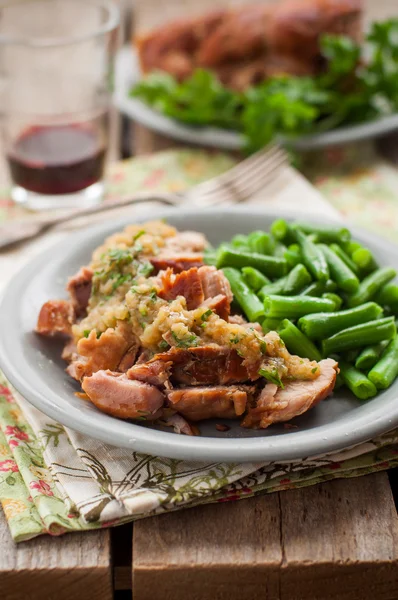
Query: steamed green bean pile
325	295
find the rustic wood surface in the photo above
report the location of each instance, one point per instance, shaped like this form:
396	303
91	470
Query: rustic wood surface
335	541
73	566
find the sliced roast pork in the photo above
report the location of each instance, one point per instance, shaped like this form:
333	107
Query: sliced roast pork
178	262
104	352
156	372
56	317
116	395
277	404
79	288
187	284
214	283
205	365
207	402
219	305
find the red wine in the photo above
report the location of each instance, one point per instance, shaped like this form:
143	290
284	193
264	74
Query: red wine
58	159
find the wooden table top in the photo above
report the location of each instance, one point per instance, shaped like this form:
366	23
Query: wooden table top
333	541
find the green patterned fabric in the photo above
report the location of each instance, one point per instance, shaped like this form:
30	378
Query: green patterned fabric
54	480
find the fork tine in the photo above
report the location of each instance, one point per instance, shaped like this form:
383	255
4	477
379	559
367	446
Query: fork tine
252	162
239	190
252	168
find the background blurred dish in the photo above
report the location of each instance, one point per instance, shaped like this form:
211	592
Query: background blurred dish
128	74
33	366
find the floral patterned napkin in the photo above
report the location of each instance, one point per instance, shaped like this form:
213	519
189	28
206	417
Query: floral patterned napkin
54	480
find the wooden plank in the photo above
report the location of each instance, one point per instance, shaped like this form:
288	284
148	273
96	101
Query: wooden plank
72	566
221	551
334	541
340	541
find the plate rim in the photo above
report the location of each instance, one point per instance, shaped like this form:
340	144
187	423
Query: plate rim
280	447
127	73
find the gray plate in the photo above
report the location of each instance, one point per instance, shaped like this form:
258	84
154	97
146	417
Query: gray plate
127	74
34	366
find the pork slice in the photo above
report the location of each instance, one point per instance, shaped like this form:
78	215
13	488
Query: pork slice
214	283
56	317
105	352
295	399
178	262
255	413
156	372
200	403
129	358
79	288
69	353
116	395
179	424
205	365
220	305
186	241
186	283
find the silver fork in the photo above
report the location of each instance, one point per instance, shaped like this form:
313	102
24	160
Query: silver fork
236	185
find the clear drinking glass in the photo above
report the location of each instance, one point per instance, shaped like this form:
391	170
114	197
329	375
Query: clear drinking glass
56	62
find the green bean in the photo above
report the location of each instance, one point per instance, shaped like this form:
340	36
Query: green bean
351	355
254	279
356	381
268	265
270	325
326	234
346	280
248	301
240	241
210	257
369	286
369	357
261	242
385	370
344	257
276	287
293	255
330	286
314	289
322	325
313	258
296	342
365	334
339	382
350	247
388	295
334	298
279	249
364	259
293	307
279	229
296	280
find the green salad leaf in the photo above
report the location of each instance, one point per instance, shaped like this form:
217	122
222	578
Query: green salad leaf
358	84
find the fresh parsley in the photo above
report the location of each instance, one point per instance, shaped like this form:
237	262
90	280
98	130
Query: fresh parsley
358	84
272	376
185	342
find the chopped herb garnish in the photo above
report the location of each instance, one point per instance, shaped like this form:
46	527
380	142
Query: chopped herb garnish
235	339
86	333
138	235
144	269
143	311
185	342
206	314
121	279
99	333
314	370
271	376
163	345
153	296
